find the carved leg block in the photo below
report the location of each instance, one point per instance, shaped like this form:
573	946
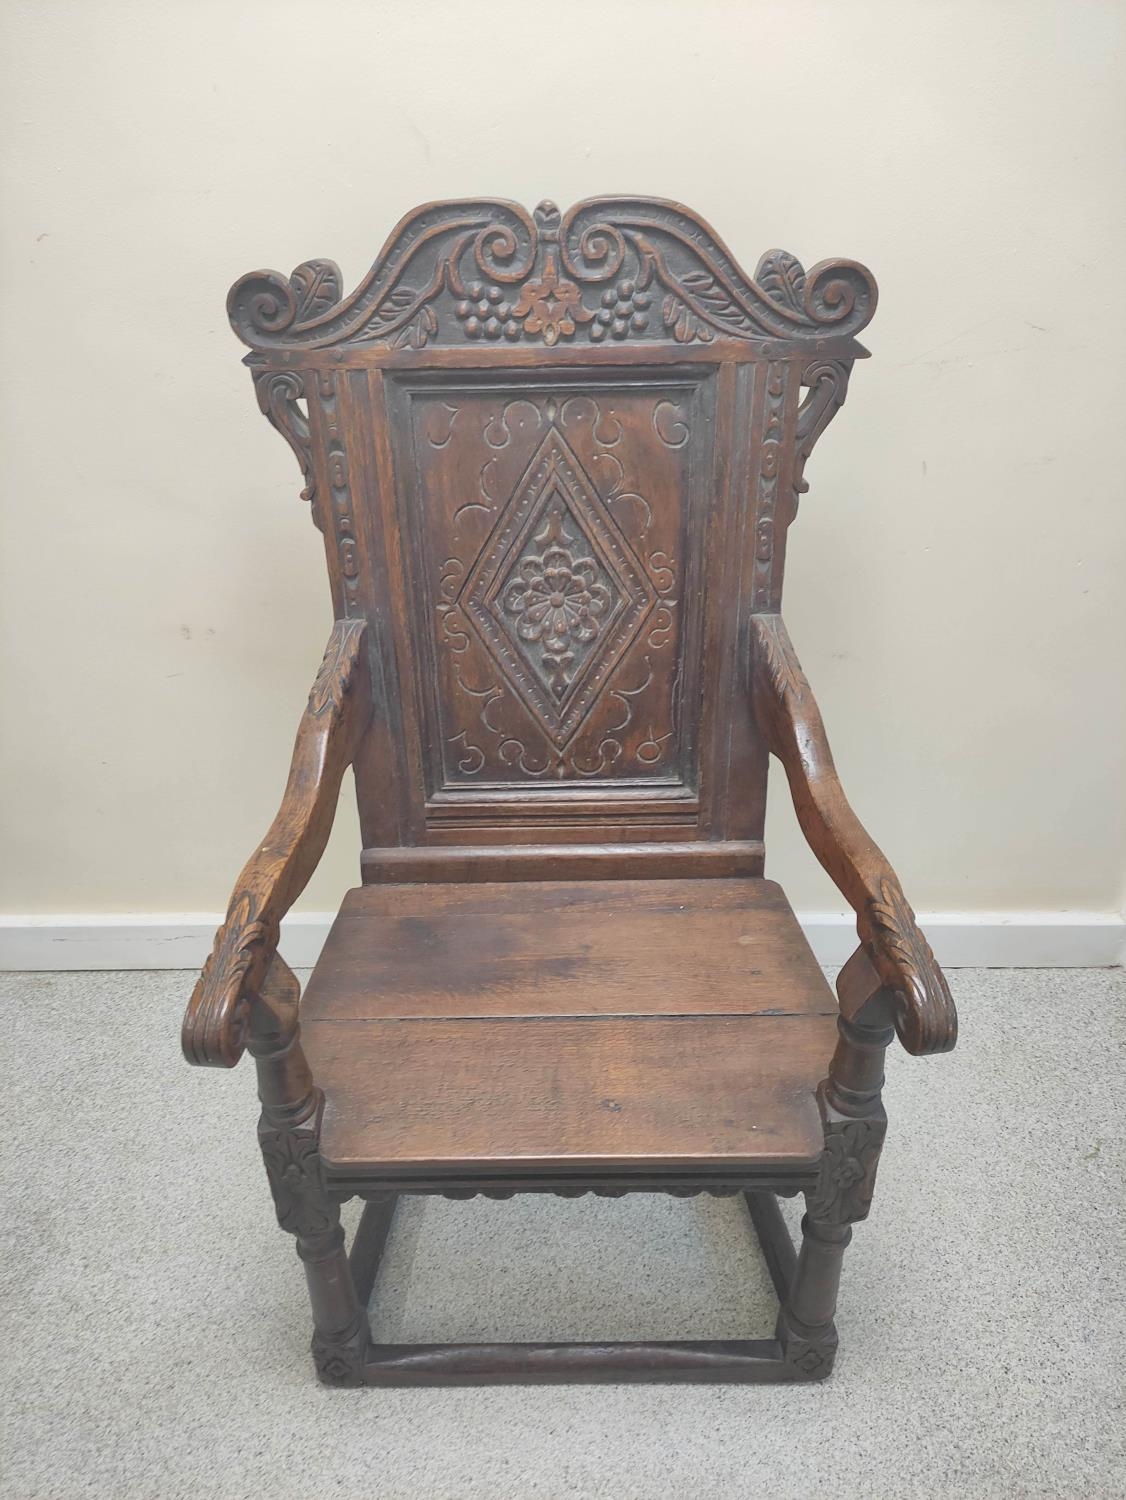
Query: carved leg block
848	1169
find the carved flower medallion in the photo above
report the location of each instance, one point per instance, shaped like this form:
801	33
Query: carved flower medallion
557	598
551	305
557	594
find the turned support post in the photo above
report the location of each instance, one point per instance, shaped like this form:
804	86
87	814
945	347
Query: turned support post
854	1122
288	1134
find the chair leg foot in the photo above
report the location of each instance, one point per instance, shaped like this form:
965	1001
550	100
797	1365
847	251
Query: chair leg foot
811	1352
340	1358
341	1335
805	1328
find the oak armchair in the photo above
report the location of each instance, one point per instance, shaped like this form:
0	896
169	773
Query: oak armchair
554	459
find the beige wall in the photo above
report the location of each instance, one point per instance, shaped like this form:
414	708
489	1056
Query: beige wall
163	588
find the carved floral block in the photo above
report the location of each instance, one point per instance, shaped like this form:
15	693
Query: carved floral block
848	1168
293	1167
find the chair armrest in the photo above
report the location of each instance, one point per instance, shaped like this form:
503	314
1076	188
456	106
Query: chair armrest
217	1019
925	1017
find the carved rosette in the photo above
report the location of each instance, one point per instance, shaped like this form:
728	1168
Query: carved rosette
636	269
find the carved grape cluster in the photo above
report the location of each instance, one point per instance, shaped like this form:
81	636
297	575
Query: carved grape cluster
624	306
486	312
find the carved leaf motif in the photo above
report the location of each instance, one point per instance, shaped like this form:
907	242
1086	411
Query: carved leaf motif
684	323
782	277
335	672
781	665
418	331
316	284
705	288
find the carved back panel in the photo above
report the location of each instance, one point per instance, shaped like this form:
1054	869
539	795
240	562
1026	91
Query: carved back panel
554	458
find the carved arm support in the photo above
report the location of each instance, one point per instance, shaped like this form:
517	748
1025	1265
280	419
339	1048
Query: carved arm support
218	1017
896	949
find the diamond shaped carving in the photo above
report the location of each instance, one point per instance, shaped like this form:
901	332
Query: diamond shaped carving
557	593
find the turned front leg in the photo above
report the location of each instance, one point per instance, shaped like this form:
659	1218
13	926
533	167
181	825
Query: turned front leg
854	1122
288	1134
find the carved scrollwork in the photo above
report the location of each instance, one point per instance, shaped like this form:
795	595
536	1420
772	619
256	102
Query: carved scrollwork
279	393
627	268
827	380
925	1016
218	1014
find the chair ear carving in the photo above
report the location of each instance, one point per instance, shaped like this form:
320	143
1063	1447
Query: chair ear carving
827	382
280	393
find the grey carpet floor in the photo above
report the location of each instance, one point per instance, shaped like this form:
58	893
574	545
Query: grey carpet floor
156	1336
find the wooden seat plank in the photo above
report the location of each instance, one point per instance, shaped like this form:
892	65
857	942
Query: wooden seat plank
630	947
521	1094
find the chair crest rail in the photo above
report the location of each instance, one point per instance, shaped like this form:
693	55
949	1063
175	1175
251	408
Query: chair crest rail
217	1022
925	1017
667	272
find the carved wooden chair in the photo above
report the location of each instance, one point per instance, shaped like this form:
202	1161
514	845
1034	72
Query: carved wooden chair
554	460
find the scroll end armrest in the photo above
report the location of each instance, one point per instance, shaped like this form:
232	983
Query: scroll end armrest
925	1016
217	1021
926	1019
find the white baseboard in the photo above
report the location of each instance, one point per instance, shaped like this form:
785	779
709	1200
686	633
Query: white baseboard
182	940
